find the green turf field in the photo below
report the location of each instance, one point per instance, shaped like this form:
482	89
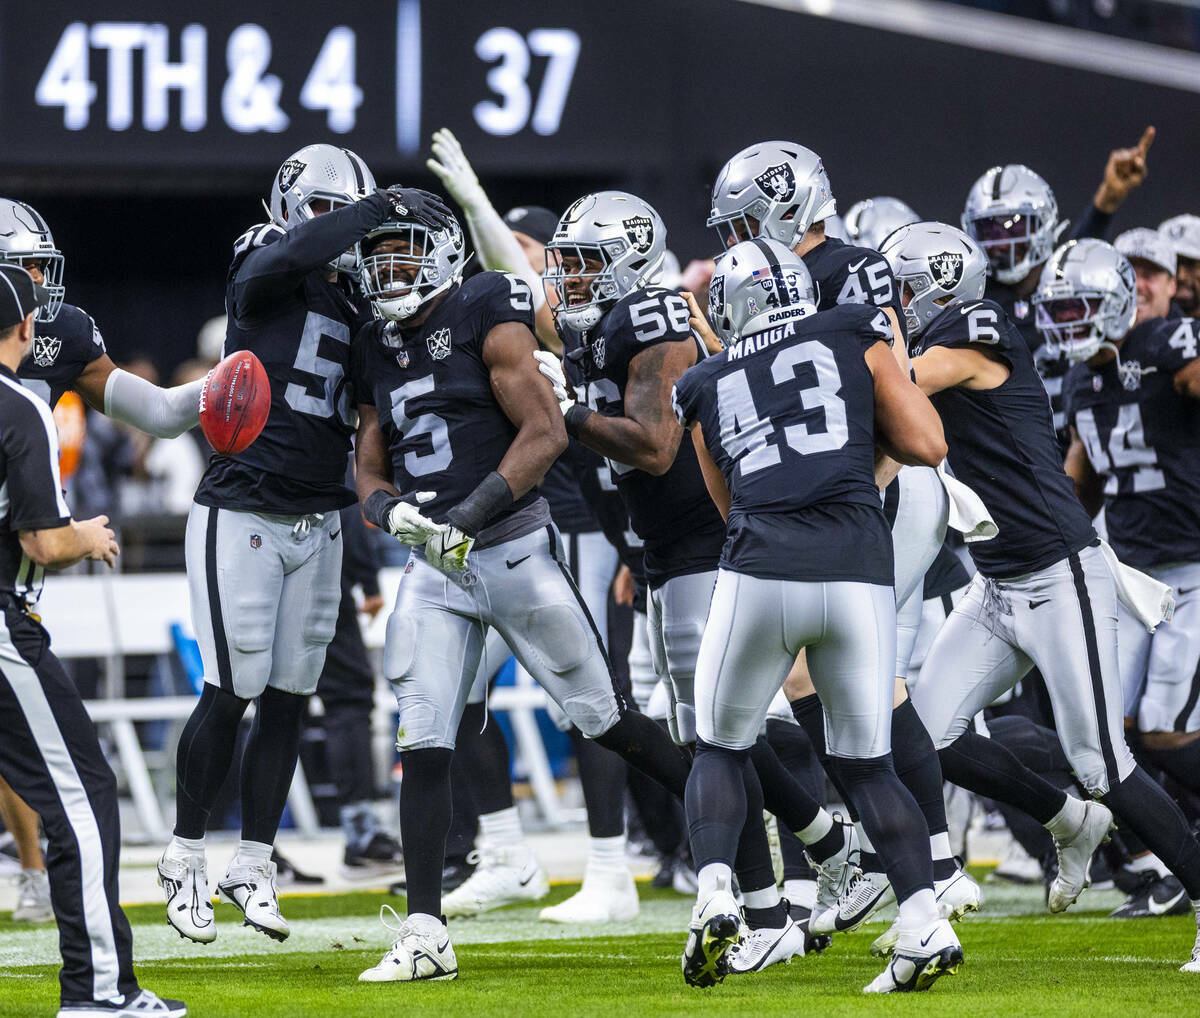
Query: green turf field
1020	962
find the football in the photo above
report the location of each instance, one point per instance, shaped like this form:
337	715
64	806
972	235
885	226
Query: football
235	402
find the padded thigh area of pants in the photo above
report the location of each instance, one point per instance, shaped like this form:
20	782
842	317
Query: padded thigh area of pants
321	619
400	644
556	634
250	614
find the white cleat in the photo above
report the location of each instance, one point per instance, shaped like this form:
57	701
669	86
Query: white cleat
956	897
422	950
764	947
189	904
33	897
919	959
1075	854
251	889
606	896
836	872
1194	964
865	895
505	876
712	933
143	1004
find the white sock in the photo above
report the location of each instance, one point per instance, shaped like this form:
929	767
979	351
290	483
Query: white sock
425	923
1149	863
713	877
185	848
502	827
815	831
802	893
918	910
767	897
1067	821
606	853
252	853
939	846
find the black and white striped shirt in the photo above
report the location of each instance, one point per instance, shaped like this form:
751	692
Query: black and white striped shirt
30	488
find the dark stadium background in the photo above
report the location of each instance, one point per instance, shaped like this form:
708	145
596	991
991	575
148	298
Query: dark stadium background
662	94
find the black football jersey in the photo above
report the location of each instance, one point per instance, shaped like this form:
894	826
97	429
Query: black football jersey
789	417
61	350
1002	444
1143	439
560	488
846	274
433	392
679	526
946	574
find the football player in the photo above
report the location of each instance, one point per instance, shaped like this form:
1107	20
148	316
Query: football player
263	551
871	221
784	425
1183	233
457	427
627	342
780	190
1131	399
1044	594
68	353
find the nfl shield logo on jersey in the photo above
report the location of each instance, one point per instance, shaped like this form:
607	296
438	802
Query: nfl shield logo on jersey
255	541
777	182
402	358
289	173
640	231
45	350
439	344
947	269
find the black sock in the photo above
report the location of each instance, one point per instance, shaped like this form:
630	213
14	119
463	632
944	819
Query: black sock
988	769
1182	763
602	775
464	817
892	821
715	803
917	765
809	715
833	842
766	918
203	757
269	761
485	759
1145	807
644	745
348	751
424	821
752	862
660	812
782	794
1036	747
795	751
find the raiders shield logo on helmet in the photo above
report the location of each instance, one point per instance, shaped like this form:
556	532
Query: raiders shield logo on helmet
289	173
45	350
716	296
640	231
777	182
947	269
439	344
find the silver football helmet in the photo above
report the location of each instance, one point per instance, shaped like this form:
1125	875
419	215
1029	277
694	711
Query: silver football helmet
1011	213
938	265
419	264
625	241
25	240
318	173
774	189
871	221
758	284
1086	299
1184	234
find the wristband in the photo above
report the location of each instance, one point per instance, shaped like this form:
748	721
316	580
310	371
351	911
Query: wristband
493	495
377	506
575	417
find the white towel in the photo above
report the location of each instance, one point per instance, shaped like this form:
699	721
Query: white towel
1150	601
968	514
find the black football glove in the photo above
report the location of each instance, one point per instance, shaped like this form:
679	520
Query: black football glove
423	206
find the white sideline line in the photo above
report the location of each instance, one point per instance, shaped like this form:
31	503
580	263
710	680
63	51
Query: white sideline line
1019	37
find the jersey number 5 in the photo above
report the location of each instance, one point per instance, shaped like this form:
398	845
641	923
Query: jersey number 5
752	440
423	425
333	398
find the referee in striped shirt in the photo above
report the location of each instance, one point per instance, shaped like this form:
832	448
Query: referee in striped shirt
49	752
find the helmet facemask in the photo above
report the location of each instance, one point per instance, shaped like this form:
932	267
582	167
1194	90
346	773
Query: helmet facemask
583	292
1014	242
1071	324
419	264
50	263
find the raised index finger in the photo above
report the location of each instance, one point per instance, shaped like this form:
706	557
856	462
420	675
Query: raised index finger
1147	140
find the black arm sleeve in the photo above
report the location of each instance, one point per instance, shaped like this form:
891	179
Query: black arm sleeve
358	560
268	272
34	489
1092	223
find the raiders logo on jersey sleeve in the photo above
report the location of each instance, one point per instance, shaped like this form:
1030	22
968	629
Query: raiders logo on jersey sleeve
777	182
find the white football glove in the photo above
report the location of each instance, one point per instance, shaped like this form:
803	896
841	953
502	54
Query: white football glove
407	525
552	368
454	170
447	549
